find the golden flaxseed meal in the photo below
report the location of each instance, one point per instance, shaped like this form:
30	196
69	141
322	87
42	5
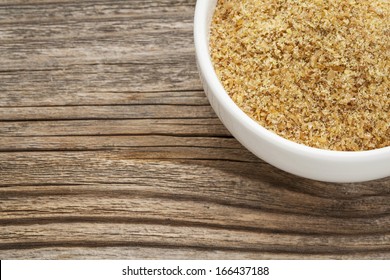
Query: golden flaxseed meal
313	71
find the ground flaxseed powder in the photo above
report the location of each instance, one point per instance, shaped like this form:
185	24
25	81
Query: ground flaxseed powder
315	72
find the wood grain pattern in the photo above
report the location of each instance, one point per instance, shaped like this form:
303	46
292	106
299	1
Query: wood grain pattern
109	149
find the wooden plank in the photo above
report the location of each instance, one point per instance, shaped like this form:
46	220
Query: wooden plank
99	97
118	142
226	177
137	203
109	55
92	80
19	10
107	112
179	127
101	234
136	252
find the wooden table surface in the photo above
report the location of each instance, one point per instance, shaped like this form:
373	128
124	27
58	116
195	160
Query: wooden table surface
109	149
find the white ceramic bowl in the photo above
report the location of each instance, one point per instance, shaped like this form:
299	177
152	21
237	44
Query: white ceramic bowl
301	160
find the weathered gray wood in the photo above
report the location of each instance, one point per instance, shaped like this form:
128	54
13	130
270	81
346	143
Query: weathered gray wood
134	252
95	52
107	112
99	234
134	200
11	99
203	172
183	127
109	149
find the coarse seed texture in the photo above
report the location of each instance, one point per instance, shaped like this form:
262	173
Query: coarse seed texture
315	71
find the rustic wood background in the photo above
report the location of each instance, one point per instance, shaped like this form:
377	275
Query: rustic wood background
109	149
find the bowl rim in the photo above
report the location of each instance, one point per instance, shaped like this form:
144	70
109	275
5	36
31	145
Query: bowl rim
206	67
